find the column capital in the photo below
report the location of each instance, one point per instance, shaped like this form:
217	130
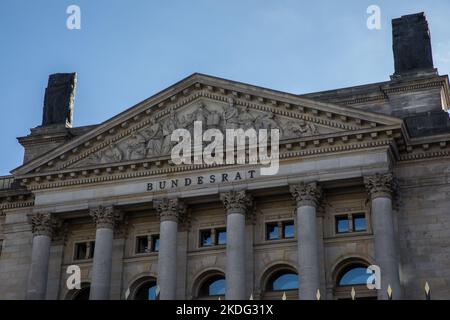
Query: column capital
236	201
306	194
380	185
170	209
105	216
44	224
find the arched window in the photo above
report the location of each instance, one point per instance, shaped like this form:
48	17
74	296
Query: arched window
213	286
147	291
79	294
143	288
281	280
352	273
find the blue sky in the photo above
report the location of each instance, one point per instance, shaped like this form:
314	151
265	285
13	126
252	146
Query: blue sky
128	50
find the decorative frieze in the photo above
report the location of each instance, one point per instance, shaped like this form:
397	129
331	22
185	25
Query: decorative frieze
170	209
306	194
236	201
105	217
380	185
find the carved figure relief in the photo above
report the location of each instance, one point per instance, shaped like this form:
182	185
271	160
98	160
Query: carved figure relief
155	139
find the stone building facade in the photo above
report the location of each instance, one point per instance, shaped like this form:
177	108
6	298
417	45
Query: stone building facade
364	180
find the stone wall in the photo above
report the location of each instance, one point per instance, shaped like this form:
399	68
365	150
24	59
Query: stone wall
424	228
16	254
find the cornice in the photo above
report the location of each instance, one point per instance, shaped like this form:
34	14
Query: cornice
189	89
143	169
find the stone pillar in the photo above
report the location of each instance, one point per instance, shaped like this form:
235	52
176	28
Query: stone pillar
307	196
236	204
42	227
380	188
104	219
170	211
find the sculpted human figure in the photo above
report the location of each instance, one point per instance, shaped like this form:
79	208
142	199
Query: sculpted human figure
231	115
300	128
135	147
246	120
268	122
168	127
202	114
153	139
213	120
112	154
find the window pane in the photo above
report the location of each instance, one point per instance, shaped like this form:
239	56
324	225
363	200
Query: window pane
354	276
91	253
284	281
214	286
288	230
273	231
142	244
80	251
342	224
205	238
147	291
155	243
217	288
152	293
221	237
359	223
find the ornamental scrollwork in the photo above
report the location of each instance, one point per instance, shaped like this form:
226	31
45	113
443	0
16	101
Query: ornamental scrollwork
306	193
236	201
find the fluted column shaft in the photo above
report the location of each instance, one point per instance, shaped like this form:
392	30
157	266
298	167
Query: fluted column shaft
380	188
236	204
307	196
42	227
170	211
104	219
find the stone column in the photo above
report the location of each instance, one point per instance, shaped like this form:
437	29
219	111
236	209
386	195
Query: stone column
380	188
104	219
42	227
307	196
236	204
170	211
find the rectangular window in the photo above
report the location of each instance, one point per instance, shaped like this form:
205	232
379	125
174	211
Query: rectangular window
155	243
91	249
80	251
272	231
84	250
359	222
221	235
288	230
206	239
342	224
142	244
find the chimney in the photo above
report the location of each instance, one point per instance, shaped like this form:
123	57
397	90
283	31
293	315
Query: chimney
59	100
412	46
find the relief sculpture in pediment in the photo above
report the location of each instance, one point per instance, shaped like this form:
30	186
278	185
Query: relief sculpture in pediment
155	139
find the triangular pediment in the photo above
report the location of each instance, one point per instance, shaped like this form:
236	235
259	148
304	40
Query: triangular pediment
142	133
